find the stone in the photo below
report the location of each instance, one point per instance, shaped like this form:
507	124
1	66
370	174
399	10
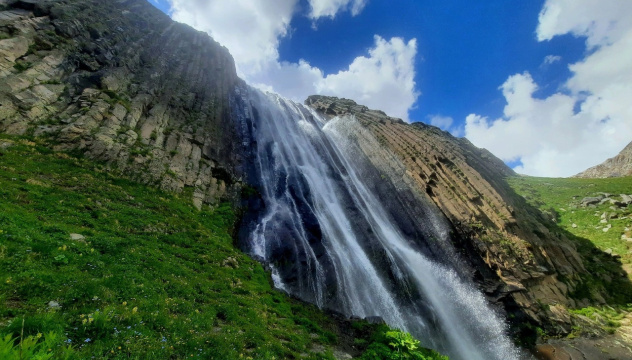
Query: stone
574	226
608	251
590	201
341	355
54	305
77	237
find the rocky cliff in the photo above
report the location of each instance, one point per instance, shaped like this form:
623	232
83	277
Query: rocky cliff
118	82
121	83
620	165
521	258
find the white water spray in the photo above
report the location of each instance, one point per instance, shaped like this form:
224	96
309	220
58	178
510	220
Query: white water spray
331	240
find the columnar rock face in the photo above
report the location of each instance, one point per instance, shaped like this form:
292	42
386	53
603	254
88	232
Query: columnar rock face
121	83
518	258
618	166
118	82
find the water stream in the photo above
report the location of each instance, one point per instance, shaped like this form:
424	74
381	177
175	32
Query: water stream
344	234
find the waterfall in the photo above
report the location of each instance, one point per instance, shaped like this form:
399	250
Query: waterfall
347	235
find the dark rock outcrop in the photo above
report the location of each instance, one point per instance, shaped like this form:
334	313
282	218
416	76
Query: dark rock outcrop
121	83
519	259
618	166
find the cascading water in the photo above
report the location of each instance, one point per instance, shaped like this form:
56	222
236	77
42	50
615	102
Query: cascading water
336	232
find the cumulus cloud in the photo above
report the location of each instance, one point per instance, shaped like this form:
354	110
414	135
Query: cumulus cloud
383	78
329	8
568	132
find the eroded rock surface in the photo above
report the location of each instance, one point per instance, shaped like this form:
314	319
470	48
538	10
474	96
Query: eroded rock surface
519	261
121	83
618	166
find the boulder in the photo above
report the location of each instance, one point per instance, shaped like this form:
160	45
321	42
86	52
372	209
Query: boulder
77	237
591	200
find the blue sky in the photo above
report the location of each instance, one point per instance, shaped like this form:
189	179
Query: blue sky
443	62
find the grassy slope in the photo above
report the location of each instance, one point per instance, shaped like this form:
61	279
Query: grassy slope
560	198
153	279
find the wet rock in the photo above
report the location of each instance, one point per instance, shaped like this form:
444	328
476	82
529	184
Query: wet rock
375	320
341	355
464	182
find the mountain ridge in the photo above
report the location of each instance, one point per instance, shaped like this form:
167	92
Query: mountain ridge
618	166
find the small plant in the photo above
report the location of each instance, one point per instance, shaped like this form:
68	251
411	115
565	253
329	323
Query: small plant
22	66
35	347
397	345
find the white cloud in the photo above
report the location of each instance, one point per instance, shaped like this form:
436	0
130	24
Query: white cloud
329	8
551	59
601	22
566	133
385	80
251	30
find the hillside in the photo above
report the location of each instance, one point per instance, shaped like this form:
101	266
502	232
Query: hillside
620	165
121	186
597	217
105	267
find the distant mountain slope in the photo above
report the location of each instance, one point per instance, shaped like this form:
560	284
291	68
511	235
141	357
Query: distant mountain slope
620	165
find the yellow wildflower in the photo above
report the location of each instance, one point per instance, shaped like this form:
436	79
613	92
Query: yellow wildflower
84	321
124	303
39	335
135	309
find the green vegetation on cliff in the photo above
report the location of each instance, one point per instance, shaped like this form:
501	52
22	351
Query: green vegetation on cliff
595	217
92	265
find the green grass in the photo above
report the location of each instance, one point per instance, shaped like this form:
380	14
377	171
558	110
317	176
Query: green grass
153	278
559	199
